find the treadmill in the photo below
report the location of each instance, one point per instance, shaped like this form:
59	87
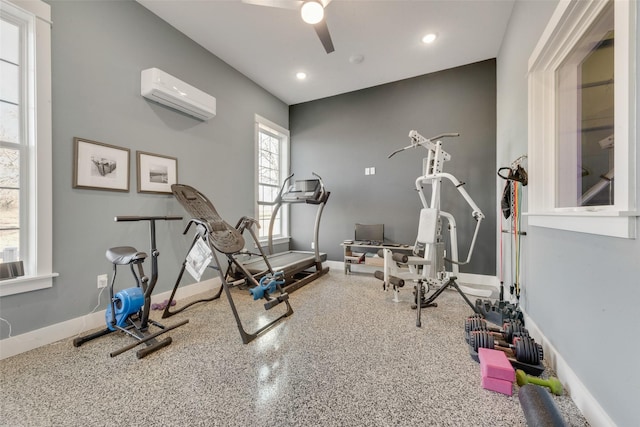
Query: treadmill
299	267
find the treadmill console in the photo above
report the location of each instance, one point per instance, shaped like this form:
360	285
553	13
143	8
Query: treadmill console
307	190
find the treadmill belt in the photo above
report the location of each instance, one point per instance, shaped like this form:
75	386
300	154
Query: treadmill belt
289	262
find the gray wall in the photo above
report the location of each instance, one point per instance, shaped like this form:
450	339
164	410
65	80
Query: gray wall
99	49
580	289
338	137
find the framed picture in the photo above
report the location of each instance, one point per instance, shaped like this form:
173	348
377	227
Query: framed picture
156	173
99	166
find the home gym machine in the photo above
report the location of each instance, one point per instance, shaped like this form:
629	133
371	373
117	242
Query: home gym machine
426	266
213	235
299	267
128	310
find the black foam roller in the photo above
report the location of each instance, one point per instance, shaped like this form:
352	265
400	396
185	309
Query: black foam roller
397	281
402	258
539	408
393	280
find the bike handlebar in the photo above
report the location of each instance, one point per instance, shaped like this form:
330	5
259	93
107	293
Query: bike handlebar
145	218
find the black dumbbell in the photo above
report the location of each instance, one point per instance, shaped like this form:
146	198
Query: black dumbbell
525	349
511	329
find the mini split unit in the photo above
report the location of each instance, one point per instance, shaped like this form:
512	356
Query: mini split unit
165	89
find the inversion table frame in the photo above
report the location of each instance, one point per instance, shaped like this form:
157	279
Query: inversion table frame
220	237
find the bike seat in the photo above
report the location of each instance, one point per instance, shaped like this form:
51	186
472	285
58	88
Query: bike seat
123	255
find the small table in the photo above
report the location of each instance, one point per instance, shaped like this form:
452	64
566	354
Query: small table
359	257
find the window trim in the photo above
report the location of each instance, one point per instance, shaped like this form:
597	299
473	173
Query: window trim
40	274
284	172
567	25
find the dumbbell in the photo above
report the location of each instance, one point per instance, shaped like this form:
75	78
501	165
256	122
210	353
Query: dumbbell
525	349
554	385
499	309
510	329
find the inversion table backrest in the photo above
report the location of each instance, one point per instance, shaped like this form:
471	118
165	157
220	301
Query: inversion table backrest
224	237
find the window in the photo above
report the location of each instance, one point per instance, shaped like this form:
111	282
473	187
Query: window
582	85
272	168
25	146
586	118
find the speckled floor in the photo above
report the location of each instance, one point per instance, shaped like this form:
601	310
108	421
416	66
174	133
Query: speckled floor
348	356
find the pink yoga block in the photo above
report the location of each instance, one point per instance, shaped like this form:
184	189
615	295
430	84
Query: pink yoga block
501	386
494	364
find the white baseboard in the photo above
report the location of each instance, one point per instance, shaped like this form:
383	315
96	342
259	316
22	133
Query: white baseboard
70	328
588	405
466	278
489	284
334	265
479	279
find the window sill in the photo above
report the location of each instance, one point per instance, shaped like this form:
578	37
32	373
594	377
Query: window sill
26	284
277	241
620	224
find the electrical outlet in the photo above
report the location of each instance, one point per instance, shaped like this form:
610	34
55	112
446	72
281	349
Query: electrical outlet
102	281
313	245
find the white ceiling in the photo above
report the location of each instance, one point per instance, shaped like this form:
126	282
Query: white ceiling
270	45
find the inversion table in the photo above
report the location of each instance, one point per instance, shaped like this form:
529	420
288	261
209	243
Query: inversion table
221	237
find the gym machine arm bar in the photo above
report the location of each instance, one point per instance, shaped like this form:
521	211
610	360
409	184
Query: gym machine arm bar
473	243
419	140
476	212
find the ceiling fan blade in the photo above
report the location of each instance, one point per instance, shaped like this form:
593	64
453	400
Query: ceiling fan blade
281	4
323	33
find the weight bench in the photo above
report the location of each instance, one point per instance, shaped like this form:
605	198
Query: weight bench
220	237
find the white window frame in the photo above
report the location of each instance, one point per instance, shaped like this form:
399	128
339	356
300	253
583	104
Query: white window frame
571	19
37	130
261	122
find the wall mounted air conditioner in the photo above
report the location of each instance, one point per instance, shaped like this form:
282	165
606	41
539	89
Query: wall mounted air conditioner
165	89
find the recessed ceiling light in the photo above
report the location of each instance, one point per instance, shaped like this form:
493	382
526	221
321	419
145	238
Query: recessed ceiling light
312	12
356	58
301	76
429	38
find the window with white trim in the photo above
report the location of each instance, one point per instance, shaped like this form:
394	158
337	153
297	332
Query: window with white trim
25	147
272	168
582	144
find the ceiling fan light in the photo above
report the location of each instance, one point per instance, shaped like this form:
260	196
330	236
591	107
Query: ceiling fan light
429	38
312	12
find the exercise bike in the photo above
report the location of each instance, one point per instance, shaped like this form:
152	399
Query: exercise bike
128	310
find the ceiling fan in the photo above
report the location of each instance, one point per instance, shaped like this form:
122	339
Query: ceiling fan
311	11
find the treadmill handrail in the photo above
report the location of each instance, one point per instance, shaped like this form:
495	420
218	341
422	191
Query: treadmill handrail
321	200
